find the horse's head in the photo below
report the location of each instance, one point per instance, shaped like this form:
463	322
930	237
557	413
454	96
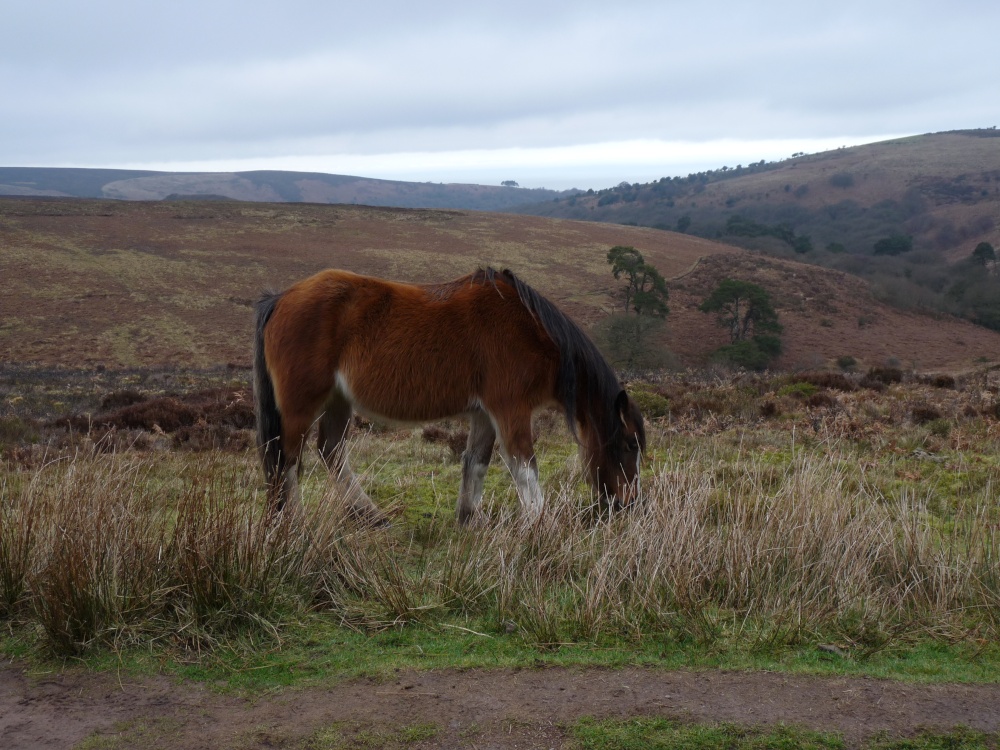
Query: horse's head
615	456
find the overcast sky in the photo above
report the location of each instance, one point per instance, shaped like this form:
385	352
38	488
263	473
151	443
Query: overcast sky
553	94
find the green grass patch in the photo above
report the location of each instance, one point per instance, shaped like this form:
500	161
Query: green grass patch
345	736
664	734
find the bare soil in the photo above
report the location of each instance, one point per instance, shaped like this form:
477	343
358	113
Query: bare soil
482	709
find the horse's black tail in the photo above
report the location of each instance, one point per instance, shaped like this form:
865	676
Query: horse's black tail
268	416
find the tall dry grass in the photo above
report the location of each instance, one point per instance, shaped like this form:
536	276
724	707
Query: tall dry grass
102	550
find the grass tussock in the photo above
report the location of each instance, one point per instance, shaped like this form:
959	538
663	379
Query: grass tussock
103	550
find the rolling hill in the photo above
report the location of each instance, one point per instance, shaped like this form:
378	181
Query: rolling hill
260	186
138	284
942	189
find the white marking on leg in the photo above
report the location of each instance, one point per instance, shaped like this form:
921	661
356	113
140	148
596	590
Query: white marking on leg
528	490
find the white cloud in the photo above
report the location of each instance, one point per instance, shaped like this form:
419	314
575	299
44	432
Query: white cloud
559	167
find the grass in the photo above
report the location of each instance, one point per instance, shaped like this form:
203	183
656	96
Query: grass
829	539
654	734
162	733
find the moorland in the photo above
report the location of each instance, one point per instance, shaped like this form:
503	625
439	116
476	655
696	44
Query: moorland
831	521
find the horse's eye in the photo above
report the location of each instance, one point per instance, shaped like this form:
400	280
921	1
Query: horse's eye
632	444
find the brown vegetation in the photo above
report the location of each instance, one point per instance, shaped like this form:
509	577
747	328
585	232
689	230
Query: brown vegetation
138	284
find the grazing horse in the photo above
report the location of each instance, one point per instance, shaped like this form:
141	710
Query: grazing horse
486	346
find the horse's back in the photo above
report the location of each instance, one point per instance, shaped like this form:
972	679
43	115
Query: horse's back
409	352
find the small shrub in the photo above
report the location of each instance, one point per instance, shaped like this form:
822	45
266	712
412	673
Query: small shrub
17	431
454	439
434	433
205	419
746	354
943	381
924	414
939	427
121	399
846	362
821	399
872	384
770	409
885	375
992	411
842	180
652	405
798	390
833	380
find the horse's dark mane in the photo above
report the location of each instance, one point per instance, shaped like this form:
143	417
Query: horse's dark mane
583	371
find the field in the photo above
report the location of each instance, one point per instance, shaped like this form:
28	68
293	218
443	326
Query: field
817	523
141	284
815	561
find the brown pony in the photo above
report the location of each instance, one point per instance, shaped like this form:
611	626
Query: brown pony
485	346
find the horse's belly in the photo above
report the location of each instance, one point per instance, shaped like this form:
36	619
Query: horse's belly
395	401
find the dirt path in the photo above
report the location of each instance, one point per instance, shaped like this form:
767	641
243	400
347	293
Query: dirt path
503	709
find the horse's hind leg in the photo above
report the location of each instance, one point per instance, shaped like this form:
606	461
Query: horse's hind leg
283	478
475	461
334	425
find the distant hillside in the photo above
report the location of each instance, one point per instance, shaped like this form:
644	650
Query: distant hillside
942	189
129	284
929	199
261	186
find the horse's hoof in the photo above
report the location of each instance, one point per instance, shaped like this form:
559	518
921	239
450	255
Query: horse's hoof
371	518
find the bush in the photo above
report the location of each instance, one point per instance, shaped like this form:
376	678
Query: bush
943	381
120	399
939	427
885	375
219	408
652	405
894	245
834	380
745	354
842	180
17	431
846	362
454	439
925	414
800	390
821	399
770	409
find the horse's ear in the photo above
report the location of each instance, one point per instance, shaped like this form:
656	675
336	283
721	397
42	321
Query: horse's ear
621	405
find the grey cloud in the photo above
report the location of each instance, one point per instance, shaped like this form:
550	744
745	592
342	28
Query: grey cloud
115	82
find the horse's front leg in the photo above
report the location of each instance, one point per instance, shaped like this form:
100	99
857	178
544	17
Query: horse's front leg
519	455
475	462
334	425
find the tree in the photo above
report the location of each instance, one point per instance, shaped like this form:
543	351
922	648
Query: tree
746	311
645	289
984	253
509	183
744	308
626	336
894	245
